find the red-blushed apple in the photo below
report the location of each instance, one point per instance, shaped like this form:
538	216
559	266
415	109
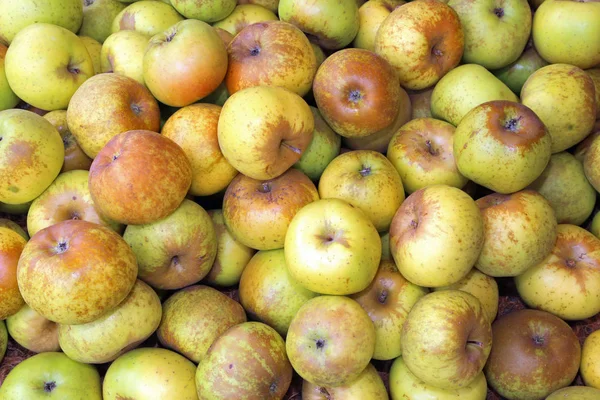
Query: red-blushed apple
11	247
123	54
332	247
139	177
422	152
147	17
421	103
32	331
436	236
368	385
244	15
330	340
422	40
75	158
367	180
264	130
533	354
272	53
184	63
194	128
357	92
75	271
371	15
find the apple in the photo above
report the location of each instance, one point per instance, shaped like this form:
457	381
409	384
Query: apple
422	152
8	98
421	103
534	353
194	317
332	25
575	392
11	248
75	271
177	250
594	226
94	48
594	73
16	15
385	246
516	73
31	155
422	40
150	373
368	385
184	63
519	232
271	5
10	224
232	256
3	340
225	36
51	375
123	53
436	236
268	293
147	17
75	158
568	32
330	341
388	300
367	180
98	16
139	177
207	11
332	247
244	15
272	53
563	97
464	88
32	331
590	368
405	385
116	332
251	358
371	15
278	127
15	209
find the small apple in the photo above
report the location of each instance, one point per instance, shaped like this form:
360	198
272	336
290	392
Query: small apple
244	15
11	248
75	158
147	17
98	16
32	331
123	53
368	385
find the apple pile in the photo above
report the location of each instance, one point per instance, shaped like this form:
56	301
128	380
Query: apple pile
364	176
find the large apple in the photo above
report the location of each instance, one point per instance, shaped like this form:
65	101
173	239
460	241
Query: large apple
422	40
123	53
244	15
207	11
75	271
98	16
11	247
75	158
32	331
371	15
368	385
8	98
590	367
147	17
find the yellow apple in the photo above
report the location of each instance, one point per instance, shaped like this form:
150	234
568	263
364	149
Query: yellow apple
371	15
368	385
590	360
123	53
94	48
98	16
575	392
147	17
244	15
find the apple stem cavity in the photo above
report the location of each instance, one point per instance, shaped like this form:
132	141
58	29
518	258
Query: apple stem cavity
170	36
292	148
571	263
73	70
49	386
383	295
512	124
414	224
475	342
365	171
430	148
499	12
436	52
355	96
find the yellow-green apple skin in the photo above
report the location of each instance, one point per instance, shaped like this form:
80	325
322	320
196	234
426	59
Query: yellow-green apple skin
330	341
52	375
75	158
15	15
251	358
150	373
254	218
519	232
404	385
12	225
516	73
147	17
422	40
207	11
11	248
272	53
232	256
268	293
244	15
98	16
367	180
319	53
323	148
94	49
436	236
32	331
123	53
567	282
368	385
114	333
8	98
194	128
495	33
15	209
278	127
591	167
502	145
75	271
590	360
575	392
3	340
371	15
333	25
565	185
534	353
332	247
31	155
385	246
568	32
272	5
388	300
594	73
45	64
594	226
464	88
175	251
423	154
185	63
194	317
563	97
68	197
139	177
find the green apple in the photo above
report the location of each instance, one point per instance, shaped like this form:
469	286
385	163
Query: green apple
385	246
516	73
3	340
594	73
194	317
590	367
31	155
98	16
123	53
32	331
94	48
52	375
147	17
575	392
207	11
244	15
150	373
368	385
272	5
217	96
15	209
8	98
595	225
10	224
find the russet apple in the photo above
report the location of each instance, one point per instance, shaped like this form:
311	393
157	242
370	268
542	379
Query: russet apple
371	15
244	15
123	53
32	331
590	367
207	11
11	247
368	385
147	17
8	98
75	158
98	16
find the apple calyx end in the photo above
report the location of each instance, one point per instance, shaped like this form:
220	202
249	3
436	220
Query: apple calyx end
254	51
538	340
137	110
265	187
49	386
499	12
365	171
61	247
513	124
355	96
170	36
571	263
430	148
320	343
383	295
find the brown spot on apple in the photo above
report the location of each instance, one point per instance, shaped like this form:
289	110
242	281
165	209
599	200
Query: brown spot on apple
127	22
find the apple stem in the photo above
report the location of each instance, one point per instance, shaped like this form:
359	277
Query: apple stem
430	148
325	393
475	342
292	148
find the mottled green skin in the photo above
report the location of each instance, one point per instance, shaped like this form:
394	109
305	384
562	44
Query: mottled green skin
204	10
3	340
98	16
